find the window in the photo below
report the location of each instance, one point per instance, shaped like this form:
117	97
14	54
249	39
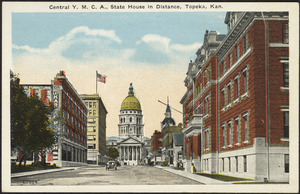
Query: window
229	93
286	163
205	139
223	165
230	133
91	120
130	119
92	129
246	126
90	104
245	43
286	74
94	112
285	33
206	106
230	60
229	164
286	124
223	136
237	52
245	163
236	164
237	87
245	76
224	67
223	98
94	104
236	131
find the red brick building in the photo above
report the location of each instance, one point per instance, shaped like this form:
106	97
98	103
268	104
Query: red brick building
71	130
244	128
157	144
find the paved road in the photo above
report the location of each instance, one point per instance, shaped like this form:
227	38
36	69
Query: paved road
97	175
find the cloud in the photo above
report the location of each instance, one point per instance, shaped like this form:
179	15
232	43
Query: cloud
186	48
76	44
159	50
85	30
156	41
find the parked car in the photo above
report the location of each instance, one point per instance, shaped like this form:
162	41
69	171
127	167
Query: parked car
111	165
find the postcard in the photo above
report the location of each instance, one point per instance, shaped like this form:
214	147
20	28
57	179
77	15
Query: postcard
150	97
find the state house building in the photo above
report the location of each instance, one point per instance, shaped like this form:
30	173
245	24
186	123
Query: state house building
131	130
236	107
70	148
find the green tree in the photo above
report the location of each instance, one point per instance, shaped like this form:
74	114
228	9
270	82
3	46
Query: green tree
29	121
112	153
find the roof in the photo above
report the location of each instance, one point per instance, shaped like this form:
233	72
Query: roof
111	138
131	102
221	37
178	139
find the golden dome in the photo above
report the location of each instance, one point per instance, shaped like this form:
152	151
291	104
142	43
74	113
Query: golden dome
131	102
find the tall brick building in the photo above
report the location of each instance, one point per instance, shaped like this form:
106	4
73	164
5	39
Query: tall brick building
236	107
96	125
70	148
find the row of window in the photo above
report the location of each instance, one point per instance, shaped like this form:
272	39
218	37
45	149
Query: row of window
123	120
235	131
74	122
91	104
206	77
92	138
134	112
233	89
73	154
74	136
206	108
126	130
226	66
73	106
237	163
236	159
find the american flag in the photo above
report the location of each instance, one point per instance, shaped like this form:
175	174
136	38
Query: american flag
101	78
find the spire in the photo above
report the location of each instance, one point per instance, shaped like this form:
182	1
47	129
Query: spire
168	110
130	93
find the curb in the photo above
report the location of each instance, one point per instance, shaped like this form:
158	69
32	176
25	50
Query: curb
198	178
23	174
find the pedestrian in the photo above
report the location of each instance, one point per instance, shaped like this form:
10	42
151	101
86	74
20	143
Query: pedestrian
193	168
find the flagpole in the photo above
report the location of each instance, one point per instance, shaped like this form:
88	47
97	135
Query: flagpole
96	83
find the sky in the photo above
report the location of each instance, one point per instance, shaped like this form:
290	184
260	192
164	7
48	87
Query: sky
151	50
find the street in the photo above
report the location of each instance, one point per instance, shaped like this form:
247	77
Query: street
97	175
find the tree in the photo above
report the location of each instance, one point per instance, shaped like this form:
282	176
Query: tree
29	121
112	153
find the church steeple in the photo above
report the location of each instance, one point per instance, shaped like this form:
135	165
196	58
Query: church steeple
168	110
168	120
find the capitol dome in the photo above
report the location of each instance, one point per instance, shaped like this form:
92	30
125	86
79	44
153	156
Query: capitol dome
131	102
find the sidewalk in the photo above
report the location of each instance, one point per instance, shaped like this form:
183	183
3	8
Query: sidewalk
35	172
195	177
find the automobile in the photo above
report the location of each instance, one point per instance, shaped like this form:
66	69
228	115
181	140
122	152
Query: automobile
111	165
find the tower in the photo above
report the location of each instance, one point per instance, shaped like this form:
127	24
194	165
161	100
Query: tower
131	117
168	120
